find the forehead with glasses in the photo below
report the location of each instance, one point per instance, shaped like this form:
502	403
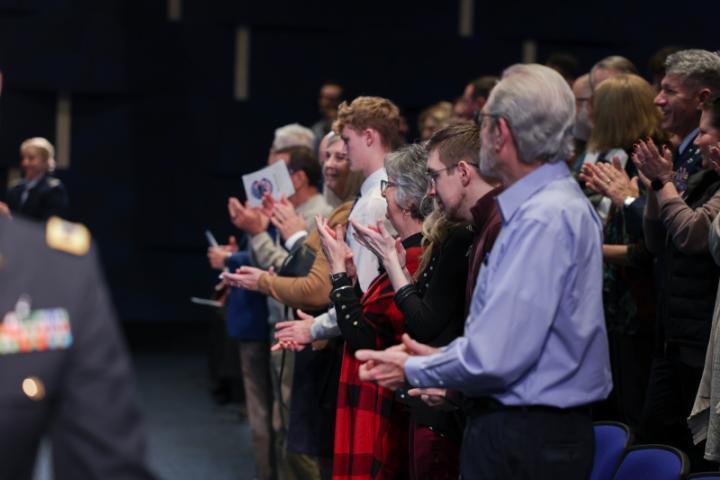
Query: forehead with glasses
384	185
432	175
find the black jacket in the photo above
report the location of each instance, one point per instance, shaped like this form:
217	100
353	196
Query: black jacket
44	200
687	287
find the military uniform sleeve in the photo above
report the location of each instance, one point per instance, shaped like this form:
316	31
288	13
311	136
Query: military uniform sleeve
97	432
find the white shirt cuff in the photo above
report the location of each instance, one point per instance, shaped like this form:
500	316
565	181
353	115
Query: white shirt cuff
294	238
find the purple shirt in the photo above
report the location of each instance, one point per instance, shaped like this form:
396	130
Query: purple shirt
535	334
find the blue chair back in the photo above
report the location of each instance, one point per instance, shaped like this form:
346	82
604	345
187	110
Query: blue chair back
652	462
611	440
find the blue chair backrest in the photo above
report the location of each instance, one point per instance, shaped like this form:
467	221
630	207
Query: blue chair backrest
611	440
652	462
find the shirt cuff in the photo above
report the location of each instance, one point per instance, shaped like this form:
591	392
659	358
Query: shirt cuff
325	326
294	238
414	371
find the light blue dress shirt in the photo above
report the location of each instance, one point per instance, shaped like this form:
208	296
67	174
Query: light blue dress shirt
535	334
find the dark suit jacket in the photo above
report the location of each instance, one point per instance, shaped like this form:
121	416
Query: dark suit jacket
88	410
44	200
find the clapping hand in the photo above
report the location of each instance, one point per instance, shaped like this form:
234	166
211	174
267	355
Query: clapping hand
217	255
293	334
610	180
333	244
387	367
286	219
246	218
246	277
378	240
651	163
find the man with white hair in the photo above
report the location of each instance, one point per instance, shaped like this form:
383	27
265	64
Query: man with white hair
291	135
534	355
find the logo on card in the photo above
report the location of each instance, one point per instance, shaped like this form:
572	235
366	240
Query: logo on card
260	186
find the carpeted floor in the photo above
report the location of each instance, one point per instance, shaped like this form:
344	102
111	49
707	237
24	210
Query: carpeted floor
190	436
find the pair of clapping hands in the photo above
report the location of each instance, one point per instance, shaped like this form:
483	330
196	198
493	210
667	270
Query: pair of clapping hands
280	213
652	164
375	238
387	369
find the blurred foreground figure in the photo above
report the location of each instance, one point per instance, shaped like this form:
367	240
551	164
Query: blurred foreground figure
64	371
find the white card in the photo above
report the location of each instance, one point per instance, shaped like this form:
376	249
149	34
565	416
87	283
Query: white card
274	179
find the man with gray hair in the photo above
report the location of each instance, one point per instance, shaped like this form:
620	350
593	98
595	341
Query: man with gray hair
534	355
691	78
609	67
291	135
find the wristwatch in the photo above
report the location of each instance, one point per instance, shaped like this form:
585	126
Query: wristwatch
334	277
658	184
629	201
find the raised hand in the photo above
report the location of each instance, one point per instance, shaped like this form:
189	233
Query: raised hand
287	220
377	239
651	162
246	218
333	245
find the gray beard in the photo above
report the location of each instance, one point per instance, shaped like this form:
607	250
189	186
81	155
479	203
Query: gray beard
487	163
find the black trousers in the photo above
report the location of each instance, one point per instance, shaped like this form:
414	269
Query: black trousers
517	444
671	392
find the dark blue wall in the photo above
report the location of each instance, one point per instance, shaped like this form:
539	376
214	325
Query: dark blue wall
158	143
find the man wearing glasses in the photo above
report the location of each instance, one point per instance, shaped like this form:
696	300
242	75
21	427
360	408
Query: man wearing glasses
462	192
534	354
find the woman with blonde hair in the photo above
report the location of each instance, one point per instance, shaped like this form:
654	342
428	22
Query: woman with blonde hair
39	195
623	112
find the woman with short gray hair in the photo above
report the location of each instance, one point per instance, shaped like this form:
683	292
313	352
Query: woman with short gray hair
369	421
432	302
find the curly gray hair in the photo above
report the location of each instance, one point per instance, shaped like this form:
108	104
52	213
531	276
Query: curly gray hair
699	68
406	167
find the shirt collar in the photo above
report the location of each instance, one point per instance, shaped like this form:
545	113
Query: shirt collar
514	196
32	183
686	141
373	180
483	207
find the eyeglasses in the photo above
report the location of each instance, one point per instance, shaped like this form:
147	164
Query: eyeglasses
432	175
384	185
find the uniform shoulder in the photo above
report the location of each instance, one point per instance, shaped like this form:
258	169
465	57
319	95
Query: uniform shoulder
68	237
53	182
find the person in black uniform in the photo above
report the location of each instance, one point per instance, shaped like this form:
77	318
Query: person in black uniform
40	195
65	374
